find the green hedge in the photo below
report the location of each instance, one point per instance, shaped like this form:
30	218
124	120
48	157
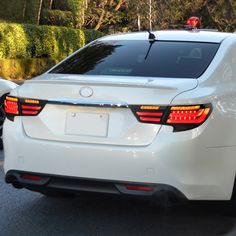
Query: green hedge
91	35
16	69
31	41
57	17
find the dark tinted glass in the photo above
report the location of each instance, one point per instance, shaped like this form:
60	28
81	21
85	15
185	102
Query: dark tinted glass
141	58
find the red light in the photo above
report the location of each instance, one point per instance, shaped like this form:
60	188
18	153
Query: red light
143	113
25	112
30	110
31	107
11	107
150	119
194	22
149	116
139	188
190	116
31	177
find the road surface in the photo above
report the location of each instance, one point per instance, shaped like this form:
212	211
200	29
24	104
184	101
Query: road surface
26	213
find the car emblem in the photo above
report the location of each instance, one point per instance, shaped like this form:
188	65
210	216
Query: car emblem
86	92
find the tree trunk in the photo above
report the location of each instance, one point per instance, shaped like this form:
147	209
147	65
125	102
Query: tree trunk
50	4
138	19
119	4
24	9
39	11
100	20
150	14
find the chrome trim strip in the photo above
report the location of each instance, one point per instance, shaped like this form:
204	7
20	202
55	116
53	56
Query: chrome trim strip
88	102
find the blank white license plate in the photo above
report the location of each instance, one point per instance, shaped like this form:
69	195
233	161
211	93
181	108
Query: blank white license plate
87	124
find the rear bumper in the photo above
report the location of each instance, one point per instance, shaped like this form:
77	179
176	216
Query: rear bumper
77	185
177	159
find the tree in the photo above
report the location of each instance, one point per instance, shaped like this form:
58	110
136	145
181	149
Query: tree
24	9
39	11
50	4
101	14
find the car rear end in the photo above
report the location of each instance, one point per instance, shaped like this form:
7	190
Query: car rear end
109	119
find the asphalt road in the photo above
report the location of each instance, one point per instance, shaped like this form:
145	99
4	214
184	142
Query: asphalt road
26	213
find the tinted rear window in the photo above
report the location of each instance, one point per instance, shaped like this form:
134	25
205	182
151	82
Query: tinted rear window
141	58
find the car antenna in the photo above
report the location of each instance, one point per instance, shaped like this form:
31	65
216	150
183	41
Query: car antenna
151	36
152	39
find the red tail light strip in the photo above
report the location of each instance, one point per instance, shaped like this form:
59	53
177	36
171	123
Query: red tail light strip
36	108
25	112
159	114
150	119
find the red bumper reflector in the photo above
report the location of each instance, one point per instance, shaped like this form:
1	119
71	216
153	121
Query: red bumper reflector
139	188
31	177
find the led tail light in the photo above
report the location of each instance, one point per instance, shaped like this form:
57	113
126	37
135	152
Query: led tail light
30	110
150	114
180	117
187	115
22	107
11	106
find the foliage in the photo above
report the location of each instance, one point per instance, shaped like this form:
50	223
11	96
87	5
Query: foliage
91	35
76	7
101	15
57	17
24	68
215	14
39	41
13	10
121	15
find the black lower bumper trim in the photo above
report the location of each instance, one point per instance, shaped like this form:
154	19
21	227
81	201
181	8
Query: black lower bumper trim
75	184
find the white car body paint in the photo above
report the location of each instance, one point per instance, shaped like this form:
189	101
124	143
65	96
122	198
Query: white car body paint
199	162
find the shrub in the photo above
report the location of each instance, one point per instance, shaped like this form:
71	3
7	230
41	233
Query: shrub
31	41
91	35
57	17
24	68
76	7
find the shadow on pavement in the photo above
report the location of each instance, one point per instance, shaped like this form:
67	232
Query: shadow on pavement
111	215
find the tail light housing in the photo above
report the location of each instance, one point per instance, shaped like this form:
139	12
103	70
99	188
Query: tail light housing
14	106
180	117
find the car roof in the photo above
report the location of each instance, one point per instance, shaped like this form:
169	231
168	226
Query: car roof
175	35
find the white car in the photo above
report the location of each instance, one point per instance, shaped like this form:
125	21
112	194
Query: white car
5	87
130	114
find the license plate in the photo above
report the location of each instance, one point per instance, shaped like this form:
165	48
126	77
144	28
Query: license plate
87	124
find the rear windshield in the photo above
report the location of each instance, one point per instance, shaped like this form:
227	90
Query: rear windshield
141	58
